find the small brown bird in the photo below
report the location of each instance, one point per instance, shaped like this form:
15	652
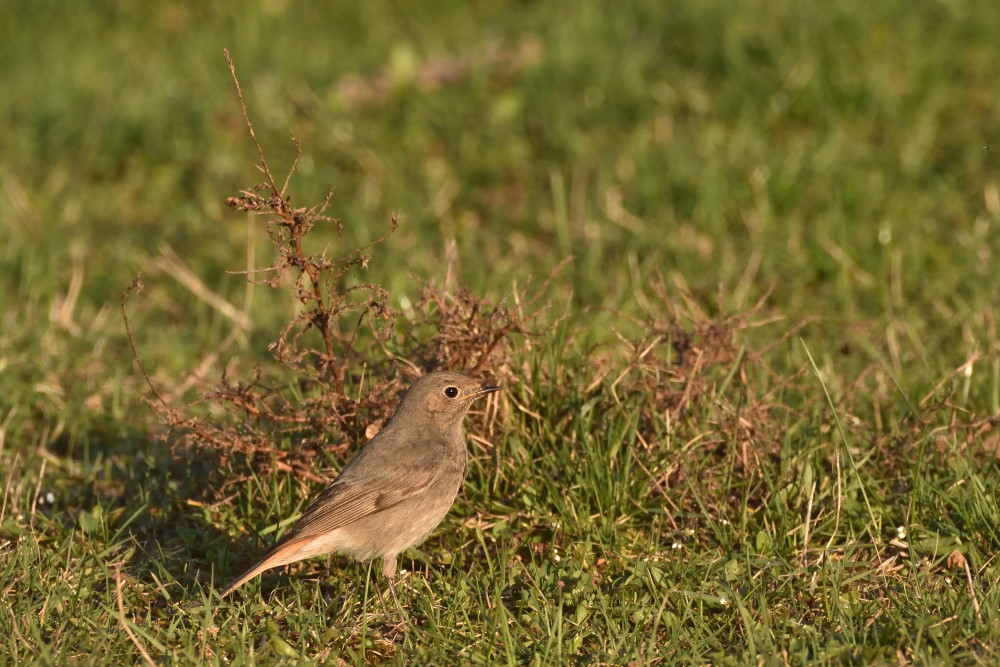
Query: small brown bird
396	490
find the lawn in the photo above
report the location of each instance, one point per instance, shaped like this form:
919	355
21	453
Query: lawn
733	263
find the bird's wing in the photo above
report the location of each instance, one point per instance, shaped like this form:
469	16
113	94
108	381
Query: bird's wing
346	501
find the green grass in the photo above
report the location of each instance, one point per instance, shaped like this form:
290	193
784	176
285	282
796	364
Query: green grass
817	493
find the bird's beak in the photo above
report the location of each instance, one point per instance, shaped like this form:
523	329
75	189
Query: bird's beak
486	389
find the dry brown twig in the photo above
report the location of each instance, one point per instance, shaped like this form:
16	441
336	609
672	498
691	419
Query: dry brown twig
124	621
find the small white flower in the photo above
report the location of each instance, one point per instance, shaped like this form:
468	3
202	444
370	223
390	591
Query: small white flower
50	497
676	545
901	532
724	602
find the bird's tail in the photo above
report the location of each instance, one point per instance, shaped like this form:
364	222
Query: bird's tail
245	577
282	553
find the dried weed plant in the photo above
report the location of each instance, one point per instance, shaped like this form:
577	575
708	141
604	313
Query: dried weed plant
693	373
336	349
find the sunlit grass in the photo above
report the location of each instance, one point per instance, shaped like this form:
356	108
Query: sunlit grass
820	487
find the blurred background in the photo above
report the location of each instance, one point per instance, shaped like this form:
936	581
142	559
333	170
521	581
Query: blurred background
840	155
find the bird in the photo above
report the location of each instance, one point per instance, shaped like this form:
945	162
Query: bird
396	489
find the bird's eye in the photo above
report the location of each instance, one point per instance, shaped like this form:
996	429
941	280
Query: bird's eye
451	392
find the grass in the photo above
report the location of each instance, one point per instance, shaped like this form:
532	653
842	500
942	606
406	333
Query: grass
764	432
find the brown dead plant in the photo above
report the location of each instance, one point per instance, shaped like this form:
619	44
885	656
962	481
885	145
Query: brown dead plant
697	374
343	358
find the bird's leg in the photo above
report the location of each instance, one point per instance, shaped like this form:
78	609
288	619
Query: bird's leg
389	572
381	601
